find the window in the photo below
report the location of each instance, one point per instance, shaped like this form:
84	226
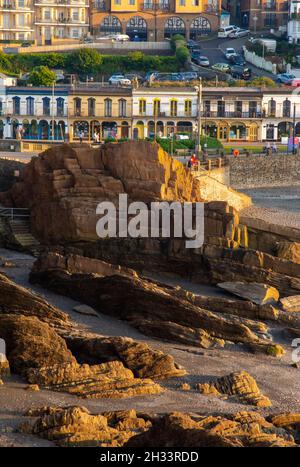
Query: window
221	109
117	2
156	107
122	108
46	106
75	16
238	108
21	3
195	2
75	33
173	108
142	107
1	107
182	2
286	108
91	107
187	108
60	103
16	105
47	14
21	20
207	108
131	2
30	106
253	109
272	108
77	107
108	107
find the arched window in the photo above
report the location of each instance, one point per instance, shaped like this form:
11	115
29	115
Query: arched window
91	107
46	105
142	106
60	104
110	25
16	105
122	107
77	106
156	107
108	107
187	107
174	25
272	108
286	108
173	108
29	106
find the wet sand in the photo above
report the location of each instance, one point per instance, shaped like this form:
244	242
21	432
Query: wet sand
283	198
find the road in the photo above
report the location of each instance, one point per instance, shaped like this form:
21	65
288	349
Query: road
214	48
18	156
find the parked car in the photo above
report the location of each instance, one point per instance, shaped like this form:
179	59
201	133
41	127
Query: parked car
224	32
237	59
229	51
295	83
25	44
240	72
285	78
191	44
189	75
239	33
201	60
134	76
119	80
222	67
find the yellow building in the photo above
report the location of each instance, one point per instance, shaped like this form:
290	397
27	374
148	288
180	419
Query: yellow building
102	111
155	20
16	20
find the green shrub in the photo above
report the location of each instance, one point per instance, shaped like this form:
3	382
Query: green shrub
42	76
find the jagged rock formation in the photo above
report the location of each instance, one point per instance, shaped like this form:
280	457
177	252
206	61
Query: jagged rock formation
31	343
18	300
239	384
260	294
165	312
289	251
106	380
243	429
291	304
75	426
67	182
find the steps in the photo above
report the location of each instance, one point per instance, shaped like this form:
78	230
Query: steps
21	235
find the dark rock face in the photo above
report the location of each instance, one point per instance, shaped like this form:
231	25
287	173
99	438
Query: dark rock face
18	300
165	312
32	343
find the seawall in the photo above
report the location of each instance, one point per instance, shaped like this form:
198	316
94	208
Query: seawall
264	171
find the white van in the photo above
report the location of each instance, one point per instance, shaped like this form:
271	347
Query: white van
224	32
121	37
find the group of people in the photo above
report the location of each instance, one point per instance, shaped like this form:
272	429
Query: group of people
268	149
96	136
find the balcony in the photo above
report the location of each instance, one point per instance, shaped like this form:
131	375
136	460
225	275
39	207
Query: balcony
275	7
14	6
234	114
209	8
155	6
62	3
61	21
101	6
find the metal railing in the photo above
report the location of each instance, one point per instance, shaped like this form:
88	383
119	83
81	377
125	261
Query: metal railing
14	213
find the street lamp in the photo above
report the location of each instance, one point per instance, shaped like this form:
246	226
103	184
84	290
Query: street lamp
199	89
255	21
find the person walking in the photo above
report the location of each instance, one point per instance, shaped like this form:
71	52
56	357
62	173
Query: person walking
81	136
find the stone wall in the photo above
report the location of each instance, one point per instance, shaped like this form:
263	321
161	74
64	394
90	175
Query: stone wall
7	173
264	171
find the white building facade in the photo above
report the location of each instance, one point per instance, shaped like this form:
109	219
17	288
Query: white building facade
293	29
17	20
61	20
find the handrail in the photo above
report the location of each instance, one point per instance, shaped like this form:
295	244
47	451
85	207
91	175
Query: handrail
14	213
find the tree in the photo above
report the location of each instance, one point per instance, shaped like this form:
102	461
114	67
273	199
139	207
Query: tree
263	81
42	76
84	61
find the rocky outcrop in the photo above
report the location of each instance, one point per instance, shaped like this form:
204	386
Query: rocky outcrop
18	300
243	429
289	251
67	182
31	343
261	294
143	361
291	304
147	303
239	384
75	426
106	380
